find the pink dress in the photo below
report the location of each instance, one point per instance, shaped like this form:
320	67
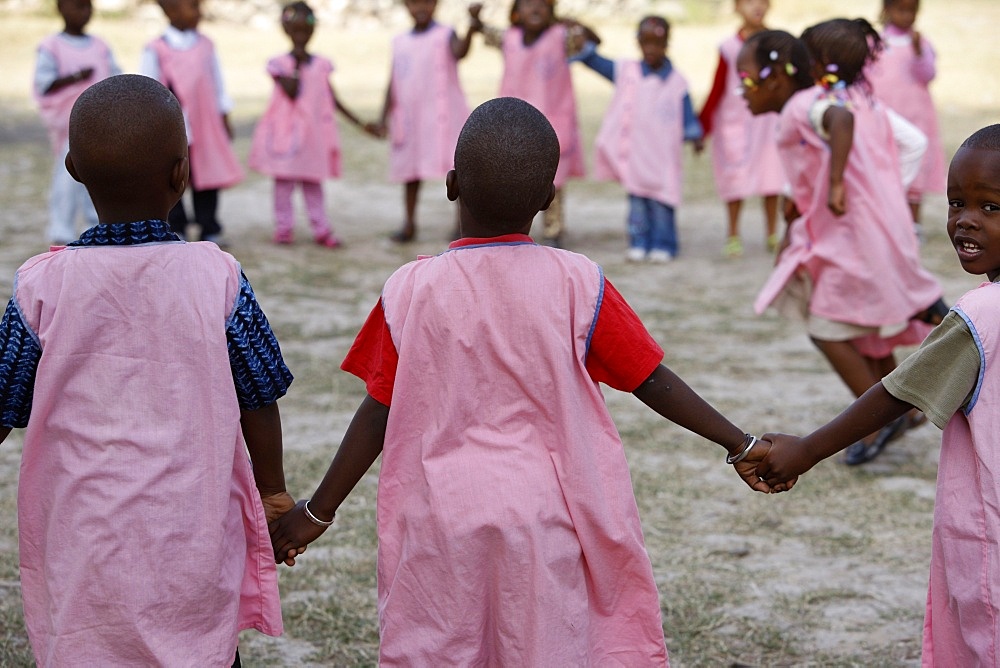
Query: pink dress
143	539
55	107
745	159
900	79
640	143
428	105
519	545
864	266
962	626
539	74
297	139
189	75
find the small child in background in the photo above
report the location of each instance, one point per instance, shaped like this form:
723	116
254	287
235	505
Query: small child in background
296	140
507	524
849	264
185	61
900	78
641	139
954	378
425	106
146	378
68	62
745	159
535	52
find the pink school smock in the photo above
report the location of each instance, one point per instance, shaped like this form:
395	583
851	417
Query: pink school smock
962	625
428	105
640	143
539	74
745	159
864	266
297	139
55	107
508	529
188	74
143	539
900	80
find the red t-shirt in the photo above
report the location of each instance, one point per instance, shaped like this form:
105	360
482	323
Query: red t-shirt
622	353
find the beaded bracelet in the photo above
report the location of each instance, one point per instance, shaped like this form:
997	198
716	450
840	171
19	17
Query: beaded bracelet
748	442
315	520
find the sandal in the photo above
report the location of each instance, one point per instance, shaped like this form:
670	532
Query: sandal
733	247
861	452
933	314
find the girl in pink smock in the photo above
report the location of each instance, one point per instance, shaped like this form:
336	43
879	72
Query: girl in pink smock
68	62
745	159
954	378
508	528
185	61
901	77
641	139
535	49
296	139
424	104
847	264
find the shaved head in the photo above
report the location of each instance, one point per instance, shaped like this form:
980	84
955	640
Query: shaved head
986	139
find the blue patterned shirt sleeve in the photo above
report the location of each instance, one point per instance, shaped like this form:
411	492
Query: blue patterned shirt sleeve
259	371
19	355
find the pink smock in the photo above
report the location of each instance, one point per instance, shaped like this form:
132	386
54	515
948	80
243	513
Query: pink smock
900	79
428	105
864	266
143	539
297	139
55	107
508	529
745	161
640	142
189	74
962	626
539	74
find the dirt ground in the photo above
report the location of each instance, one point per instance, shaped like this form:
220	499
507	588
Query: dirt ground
833	573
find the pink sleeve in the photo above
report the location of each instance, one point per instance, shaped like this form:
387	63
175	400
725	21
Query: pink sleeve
925	67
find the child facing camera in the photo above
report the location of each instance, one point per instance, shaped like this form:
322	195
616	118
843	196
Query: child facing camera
143	372
954	379
508	528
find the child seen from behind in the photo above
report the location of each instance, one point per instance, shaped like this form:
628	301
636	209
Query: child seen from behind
508	528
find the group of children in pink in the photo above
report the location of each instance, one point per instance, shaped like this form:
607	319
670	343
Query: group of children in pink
527	484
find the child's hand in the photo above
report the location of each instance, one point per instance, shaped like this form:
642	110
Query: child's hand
784	462
276	505
747	467
376	130
837	199
291	532
475	23
88	72
699	145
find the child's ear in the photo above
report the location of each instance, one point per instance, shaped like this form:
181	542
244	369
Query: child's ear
71	168
451	185
548	200
179	176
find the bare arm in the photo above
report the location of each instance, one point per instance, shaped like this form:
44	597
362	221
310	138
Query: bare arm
262	433
839	125
460	45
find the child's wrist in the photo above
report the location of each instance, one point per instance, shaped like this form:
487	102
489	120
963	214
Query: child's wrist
315	520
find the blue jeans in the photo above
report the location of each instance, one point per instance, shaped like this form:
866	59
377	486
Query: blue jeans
651	225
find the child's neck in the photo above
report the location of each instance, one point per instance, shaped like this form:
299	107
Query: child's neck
74	31
532	36
181	28
747	31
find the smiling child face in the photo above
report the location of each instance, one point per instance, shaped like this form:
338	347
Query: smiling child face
974	210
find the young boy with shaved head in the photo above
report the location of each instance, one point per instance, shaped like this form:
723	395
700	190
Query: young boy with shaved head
146	378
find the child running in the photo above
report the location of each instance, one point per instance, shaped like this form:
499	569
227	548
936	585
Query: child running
641	138
425	106
68	62
508	529
143	372
900	78
296	139
850	262
184	60
954	379
535	68
745	159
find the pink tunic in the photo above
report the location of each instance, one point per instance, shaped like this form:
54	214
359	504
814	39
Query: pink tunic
962	626
189	75
900	79
142	536
745	159
640	143
865	265
428	105
55	107
539	74
297	139
517	546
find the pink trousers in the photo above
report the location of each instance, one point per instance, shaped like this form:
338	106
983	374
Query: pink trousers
284	214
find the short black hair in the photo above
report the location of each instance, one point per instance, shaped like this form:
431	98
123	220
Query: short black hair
656	21
505	161
985	139
847	44
780	50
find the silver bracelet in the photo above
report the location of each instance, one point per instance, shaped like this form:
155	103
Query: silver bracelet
749	441
315	520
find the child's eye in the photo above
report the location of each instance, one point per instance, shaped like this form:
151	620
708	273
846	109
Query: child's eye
955	203
991	207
